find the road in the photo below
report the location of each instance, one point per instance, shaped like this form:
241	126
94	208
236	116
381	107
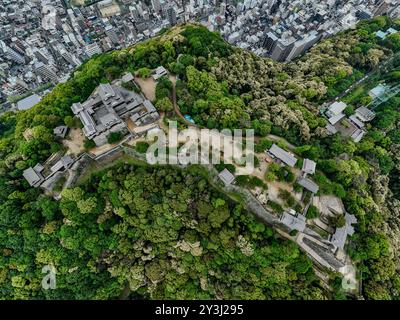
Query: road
363	79
275	138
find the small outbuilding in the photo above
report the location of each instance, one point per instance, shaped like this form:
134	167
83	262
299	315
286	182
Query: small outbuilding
60	131
159	72
365	114
64	163
309	166
127	77
308	184
226	177
283	155
377	91
294	221
340	235
34	175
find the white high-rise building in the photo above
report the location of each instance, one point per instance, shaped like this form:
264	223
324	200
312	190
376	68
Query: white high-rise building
11	54
46	72
92	49
156	5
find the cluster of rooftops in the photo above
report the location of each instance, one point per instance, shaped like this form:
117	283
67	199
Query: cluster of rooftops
290	218
289	159
283	156
107	110
36	176
383	34
297	221
353	126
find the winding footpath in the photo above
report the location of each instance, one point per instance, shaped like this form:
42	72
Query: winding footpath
178	111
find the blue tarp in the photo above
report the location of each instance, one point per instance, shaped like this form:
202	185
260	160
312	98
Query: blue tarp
189	118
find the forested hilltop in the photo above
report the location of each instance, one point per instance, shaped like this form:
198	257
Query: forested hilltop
164	233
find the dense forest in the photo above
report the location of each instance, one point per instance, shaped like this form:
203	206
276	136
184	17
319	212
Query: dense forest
160	232
164	233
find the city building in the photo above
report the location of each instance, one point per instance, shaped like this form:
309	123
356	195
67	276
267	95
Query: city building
42	45
171	14
18	86
46	72
28	102
11	54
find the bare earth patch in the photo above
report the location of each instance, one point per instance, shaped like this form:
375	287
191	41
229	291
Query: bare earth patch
103	149
75	142
148	87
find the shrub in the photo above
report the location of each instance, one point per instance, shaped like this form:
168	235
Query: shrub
337	221
270	176
89	144
290	177
293	233
130	86
349	111
114	137
59	184
144	72
297	207
242	181
297	187
312	212
275	206
164	104
141	146
262	146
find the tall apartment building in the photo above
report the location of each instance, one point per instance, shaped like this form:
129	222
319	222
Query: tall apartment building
46	72
289	48
302	45
282	49
92	49
68	57
41	56
19	86
171	15
270	42
156	5
110	32
382	8
11	54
